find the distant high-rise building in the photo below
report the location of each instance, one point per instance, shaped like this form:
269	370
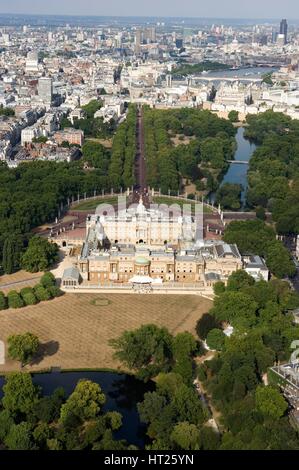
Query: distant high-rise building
138	40
45	89
274	35
32	62
263	40
144	36
179	43
284	29
169	81
280	39
149	34
6	39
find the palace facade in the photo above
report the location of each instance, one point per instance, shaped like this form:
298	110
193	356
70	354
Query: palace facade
140	242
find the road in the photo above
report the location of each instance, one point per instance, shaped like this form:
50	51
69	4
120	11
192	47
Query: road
61	226
207	403
140	187
18	283
140	166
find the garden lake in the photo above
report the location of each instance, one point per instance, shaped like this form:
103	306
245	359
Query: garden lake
122	392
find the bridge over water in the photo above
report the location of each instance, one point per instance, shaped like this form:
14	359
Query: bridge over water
239	162
227	79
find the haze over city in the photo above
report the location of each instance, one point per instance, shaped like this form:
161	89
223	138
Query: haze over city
178	8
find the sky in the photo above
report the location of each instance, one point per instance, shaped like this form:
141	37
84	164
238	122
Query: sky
188	8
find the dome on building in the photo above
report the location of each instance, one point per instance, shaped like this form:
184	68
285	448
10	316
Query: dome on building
141	261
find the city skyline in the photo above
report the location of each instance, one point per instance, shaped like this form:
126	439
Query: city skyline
192	8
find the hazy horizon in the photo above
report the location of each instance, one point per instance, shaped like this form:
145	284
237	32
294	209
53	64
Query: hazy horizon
230	9
151	16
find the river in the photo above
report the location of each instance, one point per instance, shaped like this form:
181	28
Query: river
122	392
244	72
237	172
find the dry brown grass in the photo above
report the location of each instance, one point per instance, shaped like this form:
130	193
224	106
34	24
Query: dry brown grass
75	332
105	142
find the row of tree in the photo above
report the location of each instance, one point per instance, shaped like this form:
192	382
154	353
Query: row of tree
121	169
43	291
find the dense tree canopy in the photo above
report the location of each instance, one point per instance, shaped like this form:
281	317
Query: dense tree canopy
205	324
255	237
229	196
91	126
20	394
216	339
40	255
96	156
164	409
147	349
30	421
253	414
270	402
238	280
19	437
184	69
23	347
84	403
212	143
6	111
121	169
186	436
273	171
233	116
32	194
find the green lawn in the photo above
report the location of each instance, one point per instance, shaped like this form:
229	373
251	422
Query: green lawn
91	205
180	202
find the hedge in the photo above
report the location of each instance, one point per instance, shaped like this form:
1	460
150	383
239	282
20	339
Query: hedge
28	296
14	300
3	301
41	293
54	291
48	280
44	291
